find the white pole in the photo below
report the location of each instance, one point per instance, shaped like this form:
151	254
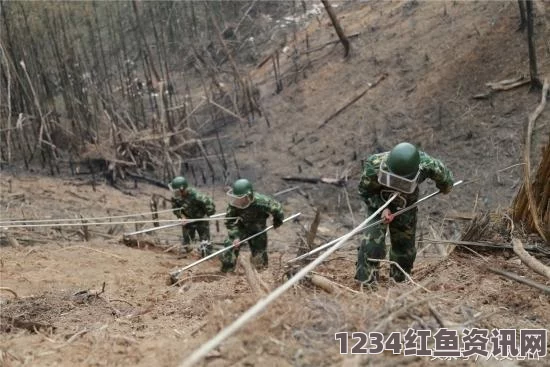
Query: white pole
328	244
83	222
9	221
258	307
207	219
174	275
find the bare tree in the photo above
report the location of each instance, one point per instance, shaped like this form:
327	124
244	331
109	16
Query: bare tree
535	82
337	27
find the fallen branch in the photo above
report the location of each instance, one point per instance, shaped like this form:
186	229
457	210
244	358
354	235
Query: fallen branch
507	83
499	246
321	282
529	260
315	180
503	85
286	191
6	289
353	100
27	325
517	278
251	276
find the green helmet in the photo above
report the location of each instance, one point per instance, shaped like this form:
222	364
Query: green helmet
179	183
404	160
242	187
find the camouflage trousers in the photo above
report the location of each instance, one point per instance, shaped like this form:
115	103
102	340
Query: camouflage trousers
373	246
189	231
258	249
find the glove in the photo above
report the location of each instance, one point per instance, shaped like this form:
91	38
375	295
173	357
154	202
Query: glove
277	223
445	189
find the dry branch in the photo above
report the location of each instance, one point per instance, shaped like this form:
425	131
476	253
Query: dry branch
31	326
315	180
529	260
517	278
6	289
310	238
321	282
252	276
354	99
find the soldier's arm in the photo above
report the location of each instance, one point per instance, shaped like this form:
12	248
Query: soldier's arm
436	171
233	231
176	206
276	211
369	188
207	202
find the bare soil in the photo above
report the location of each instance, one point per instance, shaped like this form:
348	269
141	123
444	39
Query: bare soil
436	55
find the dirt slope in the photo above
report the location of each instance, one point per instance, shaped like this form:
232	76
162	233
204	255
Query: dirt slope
436	56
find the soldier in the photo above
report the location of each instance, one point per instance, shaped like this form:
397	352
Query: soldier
188	203
252	210
398	171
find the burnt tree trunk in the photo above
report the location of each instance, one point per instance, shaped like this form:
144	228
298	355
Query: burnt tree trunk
337	27
522	17
535	82
532	203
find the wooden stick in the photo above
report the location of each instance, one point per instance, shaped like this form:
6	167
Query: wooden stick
517	278
353	100
482	244
321	282
251	275
311	234
286	190
10	291
529	260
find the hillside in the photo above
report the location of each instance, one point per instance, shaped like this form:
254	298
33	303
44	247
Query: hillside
430	59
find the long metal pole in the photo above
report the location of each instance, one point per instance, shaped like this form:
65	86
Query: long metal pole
198	354
174	275
328	244
179	223
16	221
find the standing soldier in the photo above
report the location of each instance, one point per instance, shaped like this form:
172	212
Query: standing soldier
398	171
188	203
252	210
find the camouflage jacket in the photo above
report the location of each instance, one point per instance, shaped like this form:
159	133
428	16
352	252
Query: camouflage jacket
253	218
374	194
193	205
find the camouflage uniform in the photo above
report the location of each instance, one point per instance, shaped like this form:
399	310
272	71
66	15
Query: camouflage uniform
192	206
251	220
403	227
